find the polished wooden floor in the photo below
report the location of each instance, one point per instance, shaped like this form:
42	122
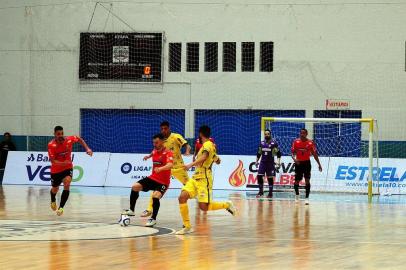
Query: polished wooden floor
334	232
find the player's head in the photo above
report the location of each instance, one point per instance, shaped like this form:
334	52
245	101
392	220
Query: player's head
267	134
58	133
204	132
158	141
303	134
7	136
165	129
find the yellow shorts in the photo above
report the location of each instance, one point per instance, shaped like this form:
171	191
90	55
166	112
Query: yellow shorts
180	174
200	188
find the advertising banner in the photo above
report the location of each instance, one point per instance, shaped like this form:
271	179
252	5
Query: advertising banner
34	168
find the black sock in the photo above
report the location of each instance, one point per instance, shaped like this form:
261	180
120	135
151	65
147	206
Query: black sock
64	198
270	183
261	183
155	207
133	199
307	190
53	196
296	188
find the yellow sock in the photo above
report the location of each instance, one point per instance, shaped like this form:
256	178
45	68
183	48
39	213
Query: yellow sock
218	205
184	212
150	203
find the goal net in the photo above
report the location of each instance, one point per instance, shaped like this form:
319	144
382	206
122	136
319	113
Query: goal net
347	150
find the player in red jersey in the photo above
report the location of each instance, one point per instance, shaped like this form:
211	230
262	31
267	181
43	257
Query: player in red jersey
199	144
302	149
158	181
60	155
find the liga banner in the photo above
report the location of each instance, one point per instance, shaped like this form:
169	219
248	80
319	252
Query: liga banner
125	169
34	168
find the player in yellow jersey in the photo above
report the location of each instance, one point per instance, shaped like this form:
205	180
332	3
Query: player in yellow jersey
200	186
173	142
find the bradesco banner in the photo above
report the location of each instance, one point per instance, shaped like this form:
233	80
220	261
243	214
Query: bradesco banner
240	173
34	168
351	174
125	169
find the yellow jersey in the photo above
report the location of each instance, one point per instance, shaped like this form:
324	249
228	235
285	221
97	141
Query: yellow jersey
174	143
204	170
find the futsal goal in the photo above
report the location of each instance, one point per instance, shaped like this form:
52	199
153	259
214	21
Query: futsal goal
347	149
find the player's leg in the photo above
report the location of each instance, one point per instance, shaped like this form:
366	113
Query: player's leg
56	180
205	198
188	191
180	174
270	174
65	193
141	185
147	212
307	175
156	196
298	178
260	179
270	183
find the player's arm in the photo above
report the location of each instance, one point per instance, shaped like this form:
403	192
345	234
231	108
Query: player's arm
278	157
293	150
84	144
198	161
147	157
316	157
53	159
184	144
259	154
168	166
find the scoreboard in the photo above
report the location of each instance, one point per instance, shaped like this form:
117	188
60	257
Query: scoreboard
135	57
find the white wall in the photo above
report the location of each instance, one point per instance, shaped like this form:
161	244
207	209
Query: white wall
323	49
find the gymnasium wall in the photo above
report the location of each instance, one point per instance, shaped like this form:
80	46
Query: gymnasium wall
323	49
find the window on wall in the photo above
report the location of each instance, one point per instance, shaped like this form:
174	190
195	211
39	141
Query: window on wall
229	56
247	56
266	56
192	59
175	56
211	57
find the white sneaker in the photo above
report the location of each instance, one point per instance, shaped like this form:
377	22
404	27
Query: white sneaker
128	212
296	198
307	201
231	208
185	230
146	213
150	223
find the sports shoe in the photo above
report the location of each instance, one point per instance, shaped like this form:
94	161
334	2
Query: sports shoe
270	196
150	223
128	212
185	230
59	212
146	213
307	201
296	198
53	206
231	208
260	195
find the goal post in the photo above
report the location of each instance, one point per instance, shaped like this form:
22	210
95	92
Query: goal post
338	140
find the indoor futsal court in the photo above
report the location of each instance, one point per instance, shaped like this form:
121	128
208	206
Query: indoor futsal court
202	134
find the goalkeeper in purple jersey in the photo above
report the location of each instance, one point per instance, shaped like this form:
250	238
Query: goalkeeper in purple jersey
267	149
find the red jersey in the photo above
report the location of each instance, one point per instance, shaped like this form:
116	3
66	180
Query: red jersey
61	152
303	149
199	145
160	159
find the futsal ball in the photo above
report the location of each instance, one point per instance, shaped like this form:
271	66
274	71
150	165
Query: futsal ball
124	221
